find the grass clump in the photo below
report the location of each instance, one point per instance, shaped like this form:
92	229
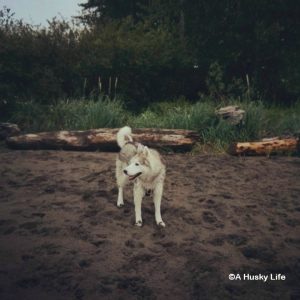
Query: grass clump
283	121
177	115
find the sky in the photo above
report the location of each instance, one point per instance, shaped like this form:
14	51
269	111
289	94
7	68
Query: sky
38	11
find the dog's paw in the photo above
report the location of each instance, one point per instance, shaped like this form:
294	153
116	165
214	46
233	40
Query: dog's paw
161	224
120	205
138	224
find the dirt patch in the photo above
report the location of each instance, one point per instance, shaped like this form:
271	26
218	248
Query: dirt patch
62	236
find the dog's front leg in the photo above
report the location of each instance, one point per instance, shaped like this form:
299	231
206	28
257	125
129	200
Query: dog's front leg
120	202
157	195
121	181
138	193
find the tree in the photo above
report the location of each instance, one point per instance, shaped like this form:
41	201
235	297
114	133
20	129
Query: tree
99	11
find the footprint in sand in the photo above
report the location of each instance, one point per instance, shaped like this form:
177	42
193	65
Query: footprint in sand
26	257
7	226
41	215
29	225
210	218
134	244
28	282
218	241
236	240
85	263
260	253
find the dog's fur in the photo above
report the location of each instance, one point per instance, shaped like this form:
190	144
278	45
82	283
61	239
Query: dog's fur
145	168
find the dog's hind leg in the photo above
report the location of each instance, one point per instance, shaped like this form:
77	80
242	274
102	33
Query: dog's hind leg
138	193
157	195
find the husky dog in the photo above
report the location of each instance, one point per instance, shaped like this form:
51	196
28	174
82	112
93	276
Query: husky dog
144	167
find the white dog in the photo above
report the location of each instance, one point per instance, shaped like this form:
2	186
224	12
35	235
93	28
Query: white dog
144	167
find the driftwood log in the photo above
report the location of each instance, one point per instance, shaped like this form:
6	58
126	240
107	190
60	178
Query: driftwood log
266	147
8	129
104	139
232	114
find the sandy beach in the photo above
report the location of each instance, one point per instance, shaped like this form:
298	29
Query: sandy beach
63	237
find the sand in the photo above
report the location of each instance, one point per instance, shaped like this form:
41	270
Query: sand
62	236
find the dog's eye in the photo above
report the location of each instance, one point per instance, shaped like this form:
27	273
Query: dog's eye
137	164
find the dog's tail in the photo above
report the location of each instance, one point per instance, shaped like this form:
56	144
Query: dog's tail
123	136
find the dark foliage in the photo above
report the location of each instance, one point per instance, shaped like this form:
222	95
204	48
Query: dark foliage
147	51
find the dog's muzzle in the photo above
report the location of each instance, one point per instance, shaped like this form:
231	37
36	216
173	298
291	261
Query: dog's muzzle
132	177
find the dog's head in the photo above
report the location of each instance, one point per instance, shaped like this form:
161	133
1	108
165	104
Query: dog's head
139	164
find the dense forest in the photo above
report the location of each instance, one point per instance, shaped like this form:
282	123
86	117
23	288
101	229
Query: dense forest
152	50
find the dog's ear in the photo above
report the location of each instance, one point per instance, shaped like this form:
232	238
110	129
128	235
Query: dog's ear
128	138
140	148
146	151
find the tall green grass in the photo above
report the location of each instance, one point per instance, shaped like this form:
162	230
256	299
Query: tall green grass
69	114
179	114
260	121
283	121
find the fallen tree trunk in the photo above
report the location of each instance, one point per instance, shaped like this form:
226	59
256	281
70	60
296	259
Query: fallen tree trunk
104	139
266	147
8	129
